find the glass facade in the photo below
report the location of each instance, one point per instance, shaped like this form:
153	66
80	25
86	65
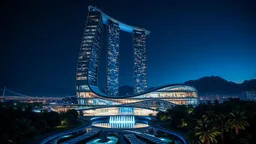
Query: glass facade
167	96
140	59
112	58
88	92
89	53
95	48
114	111
89	56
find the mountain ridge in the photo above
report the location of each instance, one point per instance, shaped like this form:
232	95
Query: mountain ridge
210	85
218	85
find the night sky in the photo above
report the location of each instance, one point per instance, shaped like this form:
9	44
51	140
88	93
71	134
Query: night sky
40	41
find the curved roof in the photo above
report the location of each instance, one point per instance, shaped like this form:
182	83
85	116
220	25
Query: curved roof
177	88
122	26
114	106
169	87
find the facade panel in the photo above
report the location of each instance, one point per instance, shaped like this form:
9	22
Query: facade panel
113	58
88	55
140	59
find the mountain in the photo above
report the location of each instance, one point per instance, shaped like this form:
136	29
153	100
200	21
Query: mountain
218	85
209	85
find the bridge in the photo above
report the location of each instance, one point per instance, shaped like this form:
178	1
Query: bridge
63	103
9	95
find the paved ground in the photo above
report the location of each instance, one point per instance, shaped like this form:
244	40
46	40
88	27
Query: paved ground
86	121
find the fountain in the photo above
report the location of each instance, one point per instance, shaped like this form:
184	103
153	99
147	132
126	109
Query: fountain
121	121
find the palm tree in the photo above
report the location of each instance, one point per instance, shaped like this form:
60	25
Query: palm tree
237	121
211	116
216	102
205	131
223	125
191	136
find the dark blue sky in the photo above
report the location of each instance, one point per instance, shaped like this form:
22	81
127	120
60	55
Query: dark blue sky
189	39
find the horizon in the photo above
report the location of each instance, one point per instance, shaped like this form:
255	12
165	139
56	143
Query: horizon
68	94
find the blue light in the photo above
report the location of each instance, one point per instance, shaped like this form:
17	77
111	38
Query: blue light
122	26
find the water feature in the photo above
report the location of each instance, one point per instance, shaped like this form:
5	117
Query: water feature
120	126
164	139
121	121
111	140
113	128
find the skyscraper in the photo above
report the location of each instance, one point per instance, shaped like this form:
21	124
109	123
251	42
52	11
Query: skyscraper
88	91
89	56
88	59
140	59
112	58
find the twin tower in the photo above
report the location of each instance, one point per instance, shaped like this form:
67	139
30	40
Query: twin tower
88	61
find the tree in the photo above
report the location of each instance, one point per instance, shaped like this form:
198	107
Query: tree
71	116
191	136
24	129
216	122
238	121
179	116
205	131
161	116
222	125
190	108
52	119
216	102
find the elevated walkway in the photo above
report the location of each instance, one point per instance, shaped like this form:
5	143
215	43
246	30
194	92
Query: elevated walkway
132	139
150	138
82	137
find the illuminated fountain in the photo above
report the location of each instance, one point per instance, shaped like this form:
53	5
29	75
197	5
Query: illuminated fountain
125	119
121	121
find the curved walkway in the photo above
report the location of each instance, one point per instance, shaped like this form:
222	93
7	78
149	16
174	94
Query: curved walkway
159	127
82	137
132	139
145	136
77	129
